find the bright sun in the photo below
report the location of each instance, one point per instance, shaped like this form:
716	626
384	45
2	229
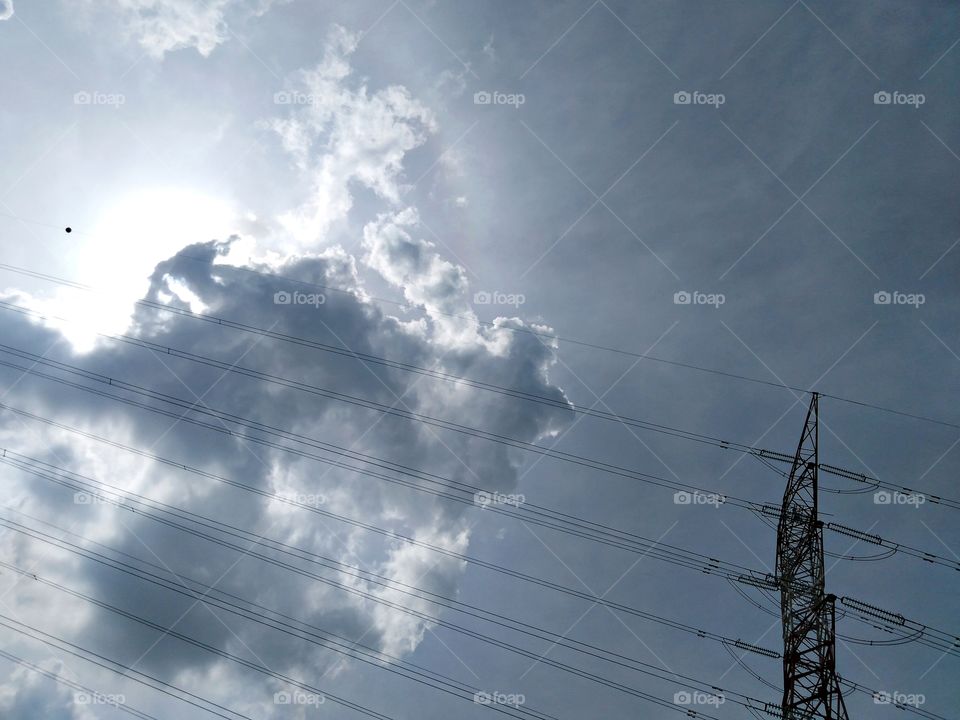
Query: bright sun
118	255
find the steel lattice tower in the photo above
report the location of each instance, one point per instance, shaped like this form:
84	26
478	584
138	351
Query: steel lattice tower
810	685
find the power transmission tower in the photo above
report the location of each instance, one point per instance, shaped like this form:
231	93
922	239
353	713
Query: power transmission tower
810	685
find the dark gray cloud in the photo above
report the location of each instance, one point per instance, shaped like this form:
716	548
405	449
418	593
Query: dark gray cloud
342	320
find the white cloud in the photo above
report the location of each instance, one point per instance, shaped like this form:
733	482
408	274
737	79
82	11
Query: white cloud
340	134
162	26
427	279
28	694
418	567
6	9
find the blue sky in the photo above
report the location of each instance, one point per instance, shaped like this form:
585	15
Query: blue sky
767	189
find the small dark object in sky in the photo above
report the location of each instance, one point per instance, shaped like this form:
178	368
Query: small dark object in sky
69	229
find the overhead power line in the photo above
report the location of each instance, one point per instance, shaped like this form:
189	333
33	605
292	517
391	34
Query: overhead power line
305	687
198	590
643	356
155	510
224	417
185	585
307	633
541	582
746	579
902	629
762	454
121	669
75	686
528	512
89	485
339	700
203	592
